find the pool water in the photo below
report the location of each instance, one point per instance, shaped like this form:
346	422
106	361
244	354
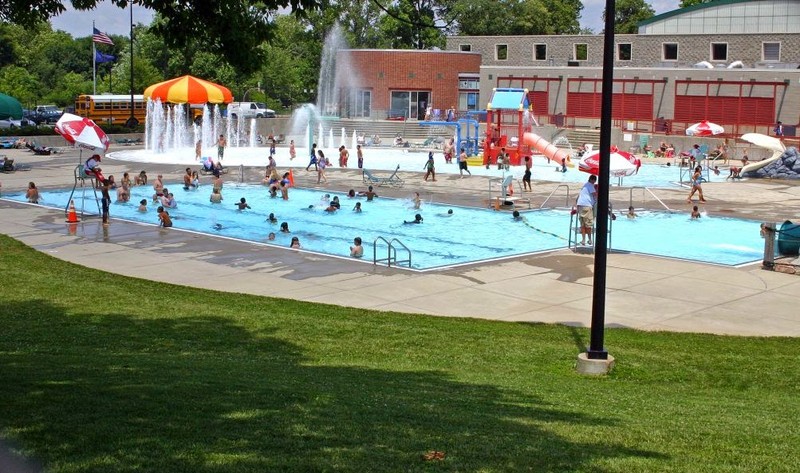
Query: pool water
468	235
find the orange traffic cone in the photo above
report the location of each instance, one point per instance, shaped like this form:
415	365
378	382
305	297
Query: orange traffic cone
72	216
291	178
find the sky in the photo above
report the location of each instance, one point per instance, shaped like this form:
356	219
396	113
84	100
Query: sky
113	20
108	18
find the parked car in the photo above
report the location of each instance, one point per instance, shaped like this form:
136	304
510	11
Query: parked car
249	110
46	114
14	124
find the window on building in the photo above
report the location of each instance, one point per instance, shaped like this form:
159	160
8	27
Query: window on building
624	51
465	48
468	101
770	51
669	52
469	83
409	104
501	52
539	52
719	51
580	52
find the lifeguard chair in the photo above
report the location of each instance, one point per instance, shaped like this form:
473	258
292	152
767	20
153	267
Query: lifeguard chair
508	116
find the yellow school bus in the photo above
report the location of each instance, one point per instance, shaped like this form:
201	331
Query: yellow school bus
111	109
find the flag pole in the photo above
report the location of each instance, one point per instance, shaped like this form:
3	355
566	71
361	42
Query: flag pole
132	122
94	63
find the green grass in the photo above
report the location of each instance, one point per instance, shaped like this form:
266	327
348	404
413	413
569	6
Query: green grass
104	373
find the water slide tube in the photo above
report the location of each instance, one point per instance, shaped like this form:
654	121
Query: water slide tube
767	142
760	164
546	148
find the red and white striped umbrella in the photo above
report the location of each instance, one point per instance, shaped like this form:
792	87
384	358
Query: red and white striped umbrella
82	132
705	128
620	163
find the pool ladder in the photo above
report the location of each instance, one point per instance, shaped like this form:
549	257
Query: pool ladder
391	254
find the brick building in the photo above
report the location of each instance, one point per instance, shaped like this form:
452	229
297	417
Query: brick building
404	83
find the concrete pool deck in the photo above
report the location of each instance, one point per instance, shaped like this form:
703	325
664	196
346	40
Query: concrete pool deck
643	292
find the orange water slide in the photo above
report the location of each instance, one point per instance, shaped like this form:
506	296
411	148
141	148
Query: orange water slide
546	148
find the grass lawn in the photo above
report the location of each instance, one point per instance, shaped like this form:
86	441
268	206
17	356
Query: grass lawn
103	373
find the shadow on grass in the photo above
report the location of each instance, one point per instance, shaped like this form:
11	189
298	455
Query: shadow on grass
112	393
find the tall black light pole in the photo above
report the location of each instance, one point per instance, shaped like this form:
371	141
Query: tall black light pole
596	349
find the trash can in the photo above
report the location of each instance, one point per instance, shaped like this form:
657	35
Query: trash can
789	239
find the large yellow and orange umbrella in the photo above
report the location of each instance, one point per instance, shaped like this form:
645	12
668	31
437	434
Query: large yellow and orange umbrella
188	89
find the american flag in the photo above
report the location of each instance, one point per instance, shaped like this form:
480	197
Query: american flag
100	37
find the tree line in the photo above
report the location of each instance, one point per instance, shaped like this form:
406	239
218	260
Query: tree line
244	44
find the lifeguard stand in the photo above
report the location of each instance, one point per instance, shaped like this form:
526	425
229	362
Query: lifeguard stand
508	116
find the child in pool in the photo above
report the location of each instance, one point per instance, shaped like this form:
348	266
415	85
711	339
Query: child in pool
417	219
357	251
142	205
631	213
695	212
163	218
242	204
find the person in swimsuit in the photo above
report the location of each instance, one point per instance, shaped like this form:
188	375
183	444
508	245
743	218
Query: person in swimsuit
697	178
526	178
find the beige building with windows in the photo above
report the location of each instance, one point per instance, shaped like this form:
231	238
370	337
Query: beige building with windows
734	62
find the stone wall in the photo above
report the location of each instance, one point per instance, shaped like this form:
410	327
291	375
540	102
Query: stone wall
787	167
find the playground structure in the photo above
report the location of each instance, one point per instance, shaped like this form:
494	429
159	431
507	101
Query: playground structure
469	142
508	118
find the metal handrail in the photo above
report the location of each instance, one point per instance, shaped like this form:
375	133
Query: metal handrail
375	259
566	202
647	189
391	252
394	252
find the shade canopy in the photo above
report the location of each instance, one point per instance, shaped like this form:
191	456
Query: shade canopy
10	108
188	89
620	163
705	128
82	132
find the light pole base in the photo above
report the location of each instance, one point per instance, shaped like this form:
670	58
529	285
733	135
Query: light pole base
590	367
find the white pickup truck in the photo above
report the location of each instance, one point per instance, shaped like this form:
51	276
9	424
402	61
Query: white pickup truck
249	110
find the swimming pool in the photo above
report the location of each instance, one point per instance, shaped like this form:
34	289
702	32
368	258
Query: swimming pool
468	235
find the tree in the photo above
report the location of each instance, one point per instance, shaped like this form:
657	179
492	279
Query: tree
485	17
231	28
412	24
628	14
511	17
564	16
19	83
689	3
